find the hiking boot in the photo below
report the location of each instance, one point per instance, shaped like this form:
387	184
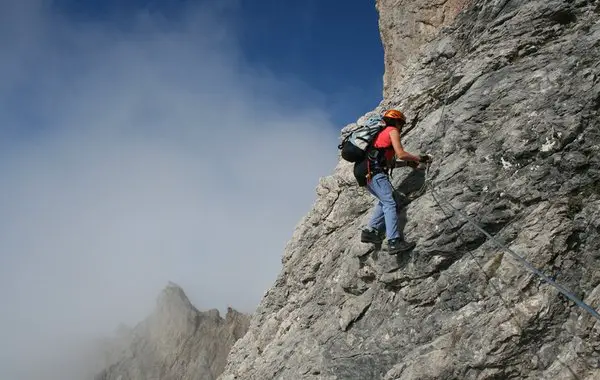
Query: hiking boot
398	245
370	235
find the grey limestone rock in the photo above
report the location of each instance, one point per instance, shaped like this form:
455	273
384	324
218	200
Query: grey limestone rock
406	26
176	342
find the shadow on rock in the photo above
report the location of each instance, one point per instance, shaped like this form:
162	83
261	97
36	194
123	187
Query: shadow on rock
410	188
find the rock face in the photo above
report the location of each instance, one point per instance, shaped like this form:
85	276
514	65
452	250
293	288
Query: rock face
507	99
177	342
405	26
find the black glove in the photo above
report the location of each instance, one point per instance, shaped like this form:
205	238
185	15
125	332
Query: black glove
412	164
425	158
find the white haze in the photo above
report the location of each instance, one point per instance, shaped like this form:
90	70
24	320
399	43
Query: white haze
130	157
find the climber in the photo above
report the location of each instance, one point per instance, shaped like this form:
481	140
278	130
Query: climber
386	154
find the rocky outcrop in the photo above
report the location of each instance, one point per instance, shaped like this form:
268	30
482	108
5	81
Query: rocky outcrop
177	342
507	99
405	26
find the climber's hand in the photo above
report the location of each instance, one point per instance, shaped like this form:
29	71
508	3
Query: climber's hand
412	164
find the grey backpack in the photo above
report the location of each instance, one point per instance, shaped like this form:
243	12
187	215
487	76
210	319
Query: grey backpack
356	145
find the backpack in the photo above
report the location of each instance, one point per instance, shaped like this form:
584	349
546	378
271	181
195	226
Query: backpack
356	145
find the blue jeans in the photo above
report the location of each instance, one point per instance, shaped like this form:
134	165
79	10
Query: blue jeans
384	214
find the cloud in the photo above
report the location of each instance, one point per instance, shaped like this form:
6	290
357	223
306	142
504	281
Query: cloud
136	154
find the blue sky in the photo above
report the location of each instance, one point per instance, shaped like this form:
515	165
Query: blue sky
149	144
332	47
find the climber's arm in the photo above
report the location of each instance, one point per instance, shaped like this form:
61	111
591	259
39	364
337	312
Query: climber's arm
401	154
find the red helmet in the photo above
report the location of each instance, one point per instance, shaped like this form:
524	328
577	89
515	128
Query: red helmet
394	114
